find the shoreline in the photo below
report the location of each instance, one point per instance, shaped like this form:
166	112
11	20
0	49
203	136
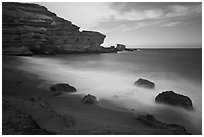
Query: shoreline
97	118
70	104
107	52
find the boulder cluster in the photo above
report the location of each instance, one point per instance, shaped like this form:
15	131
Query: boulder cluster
62	88
166	97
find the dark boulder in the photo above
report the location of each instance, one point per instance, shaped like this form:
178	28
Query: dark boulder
150	121
172	98
144	83
120	47
61	88
89	99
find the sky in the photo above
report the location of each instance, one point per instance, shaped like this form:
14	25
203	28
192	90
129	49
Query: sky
137	24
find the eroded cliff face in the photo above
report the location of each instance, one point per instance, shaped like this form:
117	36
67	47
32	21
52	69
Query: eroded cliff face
31	29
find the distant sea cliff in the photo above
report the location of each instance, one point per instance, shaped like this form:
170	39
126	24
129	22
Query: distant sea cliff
30	29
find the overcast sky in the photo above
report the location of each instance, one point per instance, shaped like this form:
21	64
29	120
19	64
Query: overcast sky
137	24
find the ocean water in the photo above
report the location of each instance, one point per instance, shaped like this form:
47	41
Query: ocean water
111	76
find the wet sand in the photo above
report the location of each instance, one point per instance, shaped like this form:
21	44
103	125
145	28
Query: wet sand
90	119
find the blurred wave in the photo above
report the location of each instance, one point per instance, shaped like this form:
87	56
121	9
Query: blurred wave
111	77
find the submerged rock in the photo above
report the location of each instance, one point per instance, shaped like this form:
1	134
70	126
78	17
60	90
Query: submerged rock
172	98
144	83
150	121
89	99
61	88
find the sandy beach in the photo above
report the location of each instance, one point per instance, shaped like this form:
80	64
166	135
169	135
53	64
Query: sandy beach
88	119
73	69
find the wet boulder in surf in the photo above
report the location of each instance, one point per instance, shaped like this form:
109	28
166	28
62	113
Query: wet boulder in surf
174	99
144	83
151	121
58	89
89	99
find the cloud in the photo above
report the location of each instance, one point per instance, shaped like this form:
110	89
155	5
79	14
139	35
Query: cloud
91	15
135	15
139	25
159	13
84	14
172	24
95	15
141	18
179	10
136	19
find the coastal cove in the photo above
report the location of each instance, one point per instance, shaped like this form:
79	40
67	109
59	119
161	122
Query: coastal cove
59	78
91	74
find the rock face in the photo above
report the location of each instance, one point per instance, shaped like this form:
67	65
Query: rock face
31	29
120	47
32	115
89	99
108	49
61	88
172	98
20	123
144	83
150	121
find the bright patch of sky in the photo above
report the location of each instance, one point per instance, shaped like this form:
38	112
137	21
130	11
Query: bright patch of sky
137	24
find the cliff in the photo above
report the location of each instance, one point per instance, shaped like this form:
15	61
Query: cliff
31	29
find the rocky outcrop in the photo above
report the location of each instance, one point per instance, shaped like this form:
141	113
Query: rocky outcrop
31	29
32	115
108	49
89	99
150	121
172	98
61	88
20	123
120	47
144	83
